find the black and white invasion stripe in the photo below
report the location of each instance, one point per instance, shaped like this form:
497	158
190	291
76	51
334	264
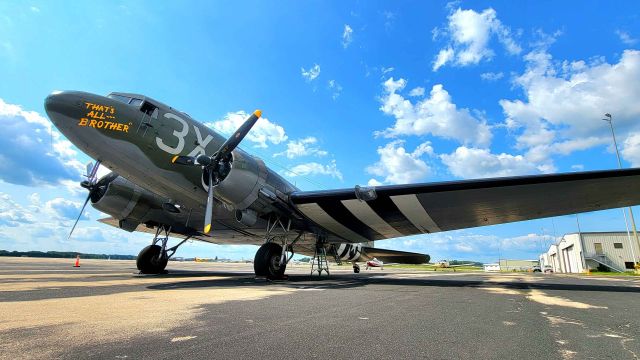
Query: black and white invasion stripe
349	252
358	221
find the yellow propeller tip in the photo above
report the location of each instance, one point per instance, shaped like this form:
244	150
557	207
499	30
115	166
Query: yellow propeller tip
173	160
207	228
257	113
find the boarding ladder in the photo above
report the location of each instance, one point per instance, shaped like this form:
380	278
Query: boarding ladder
319	262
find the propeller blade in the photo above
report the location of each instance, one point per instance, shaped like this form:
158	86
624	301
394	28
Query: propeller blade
208	212
183	160
79	216
92	172
89	168
237	137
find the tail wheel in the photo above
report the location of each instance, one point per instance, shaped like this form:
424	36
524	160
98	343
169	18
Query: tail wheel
151	260
267	261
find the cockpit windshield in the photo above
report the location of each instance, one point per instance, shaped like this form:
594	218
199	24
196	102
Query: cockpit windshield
125	99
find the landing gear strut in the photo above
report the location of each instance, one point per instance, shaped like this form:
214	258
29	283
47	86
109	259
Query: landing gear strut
153	259
272	258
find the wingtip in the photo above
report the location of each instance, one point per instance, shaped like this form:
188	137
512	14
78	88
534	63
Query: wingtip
173	159
207	228
257	113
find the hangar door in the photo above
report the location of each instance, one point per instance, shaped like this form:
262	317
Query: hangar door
567	258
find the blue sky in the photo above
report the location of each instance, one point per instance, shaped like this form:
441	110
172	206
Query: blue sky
367	92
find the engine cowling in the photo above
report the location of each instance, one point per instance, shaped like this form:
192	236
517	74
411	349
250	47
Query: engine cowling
241	185
125	200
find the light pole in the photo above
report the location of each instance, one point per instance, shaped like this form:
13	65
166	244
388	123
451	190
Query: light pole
609	119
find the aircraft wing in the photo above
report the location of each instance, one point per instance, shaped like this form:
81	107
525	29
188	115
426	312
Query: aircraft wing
402	210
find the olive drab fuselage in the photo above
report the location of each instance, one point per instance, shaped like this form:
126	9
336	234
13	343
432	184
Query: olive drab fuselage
137	137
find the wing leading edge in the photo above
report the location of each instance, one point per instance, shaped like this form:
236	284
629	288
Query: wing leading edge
402	210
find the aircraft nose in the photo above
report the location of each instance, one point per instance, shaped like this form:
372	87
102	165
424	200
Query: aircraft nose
57	101
61	105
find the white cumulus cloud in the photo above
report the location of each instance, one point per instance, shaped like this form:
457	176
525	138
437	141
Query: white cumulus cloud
471	163
32	153
469	33
631	149
443	57
64	209
302	147
12	214
565	101
398	166
436	115
263	132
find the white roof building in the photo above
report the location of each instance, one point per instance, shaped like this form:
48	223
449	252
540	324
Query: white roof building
577	252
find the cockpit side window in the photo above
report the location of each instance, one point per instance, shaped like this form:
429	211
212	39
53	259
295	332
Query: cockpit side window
136	102
120	98
149	109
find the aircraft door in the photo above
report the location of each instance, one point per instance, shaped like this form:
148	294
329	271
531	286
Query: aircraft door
148	119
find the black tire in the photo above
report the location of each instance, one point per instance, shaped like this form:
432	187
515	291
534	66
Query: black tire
149	260
356	269
267	261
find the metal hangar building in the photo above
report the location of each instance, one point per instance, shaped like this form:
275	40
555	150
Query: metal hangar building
579	252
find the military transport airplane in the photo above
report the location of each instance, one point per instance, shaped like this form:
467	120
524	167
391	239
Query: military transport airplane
174	176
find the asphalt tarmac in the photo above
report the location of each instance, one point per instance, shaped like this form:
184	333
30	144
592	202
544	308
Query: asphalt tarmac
48	309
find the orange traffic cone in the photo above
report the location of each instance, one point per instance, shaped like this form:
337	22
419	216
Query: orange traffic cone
77	261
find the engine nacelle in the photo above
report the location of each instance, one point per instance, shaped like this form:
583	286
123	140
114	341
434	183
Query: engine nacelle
125	201
241	186
366	251
349	252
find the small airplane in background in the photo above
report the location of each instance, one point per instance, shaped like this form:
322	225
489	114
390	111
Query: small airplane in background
369	264
375	263
445	264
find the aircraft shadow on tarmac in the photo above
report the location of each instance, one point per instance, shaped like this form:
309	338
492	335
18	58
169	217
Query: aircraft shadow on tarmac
343	281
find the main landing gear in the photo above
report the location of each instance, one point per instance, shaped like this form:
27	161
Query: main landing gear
153	259
272	257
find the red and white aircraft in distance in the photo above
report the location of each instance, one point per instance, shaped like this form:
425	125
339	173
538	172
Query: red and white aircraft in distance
375	263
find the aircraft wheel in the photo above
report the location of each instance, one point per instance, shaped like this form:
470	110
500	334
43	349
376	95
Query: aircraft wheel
356	268
150	261
267	261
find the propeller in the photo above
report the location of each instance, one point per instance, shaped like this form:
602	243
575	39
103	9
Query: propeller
218	165
93	185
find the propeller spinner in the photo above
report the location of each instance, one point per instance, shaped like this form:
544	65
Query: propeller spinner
218	165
